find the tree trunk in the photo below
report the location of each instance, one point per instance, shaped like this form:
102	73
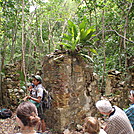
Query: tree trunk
23	42
124	42
12	47
96	19
125	47
49	36
120	51
2	57
104	52
0	79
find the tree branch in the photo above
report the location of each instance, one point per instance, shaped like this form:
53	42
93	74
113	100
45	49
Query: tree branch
116	33
120	35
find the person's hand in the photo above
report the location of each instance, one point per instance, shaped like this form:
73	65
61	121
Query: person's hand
25	98
28	97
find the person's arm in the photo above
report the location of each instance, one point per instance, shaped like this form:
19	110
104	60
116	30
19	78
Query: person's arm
129	111
38	100
39	95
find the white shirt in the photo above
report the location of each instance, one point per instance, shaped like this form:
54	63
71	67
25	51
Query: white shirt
38	91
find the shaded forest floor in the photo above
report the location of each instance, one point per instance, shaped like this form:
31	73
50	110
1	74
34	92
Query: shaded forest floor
9	125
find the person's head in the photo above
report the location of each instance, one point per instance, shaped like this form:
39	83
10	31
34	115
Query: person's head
36	80
104	106
132	96
91	125
27	114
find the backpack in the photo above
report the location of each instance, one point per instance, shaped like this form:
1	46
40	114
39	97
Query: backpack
46	101
5	113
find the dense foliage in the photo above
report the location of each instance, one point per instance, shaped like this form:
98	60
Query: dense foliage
103	28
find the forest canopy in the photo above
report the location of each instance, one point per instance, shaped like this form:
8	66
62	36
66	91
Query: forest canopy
33	28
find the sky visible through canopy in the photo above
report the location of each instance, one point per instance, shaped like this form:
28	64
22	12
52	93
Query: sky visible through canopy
32	8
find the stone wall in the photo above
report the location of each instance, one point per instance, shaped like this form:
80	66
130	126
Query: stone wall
11	91
118	87
73	87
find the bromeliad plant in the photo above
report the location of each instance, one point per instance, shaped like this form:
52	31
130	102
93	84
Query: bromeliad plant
78	39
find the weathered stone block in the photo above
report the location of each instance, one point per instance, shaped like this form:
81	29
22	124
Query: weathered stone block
68	80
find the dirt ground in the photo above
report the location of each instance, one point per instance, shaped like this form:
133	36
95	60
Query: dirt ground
9	125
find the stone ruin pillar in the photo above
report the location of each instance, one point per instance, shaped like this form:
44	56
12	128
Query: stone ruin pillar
74	90
112	81
116	89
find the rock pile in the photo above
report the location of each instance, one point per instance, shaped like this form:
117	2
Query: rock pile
11	89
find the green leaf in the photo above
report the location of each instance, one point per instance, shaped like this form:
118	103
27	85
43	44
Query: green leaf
73	47
90	33
82	25
86	34
82	34
93	50
72	29
78	38
67	37
66	45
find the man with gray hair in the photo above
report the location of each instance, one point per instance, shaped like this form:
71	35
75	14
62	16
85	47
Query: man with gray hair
118	122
